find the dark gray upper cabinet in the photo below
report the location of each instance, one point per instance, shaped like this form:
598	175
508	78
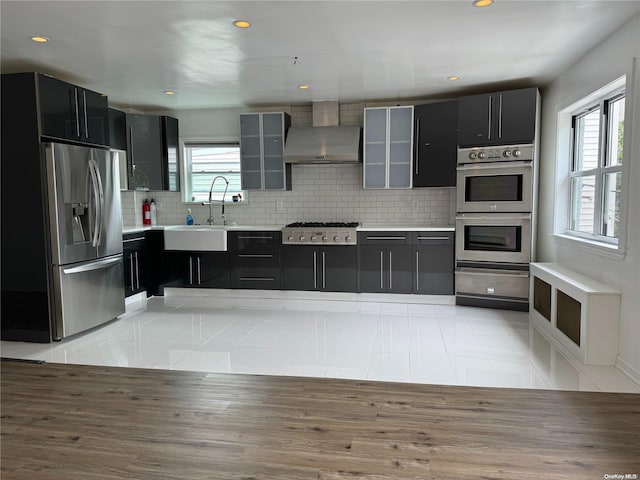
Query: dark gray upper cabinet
70	112
502	118
152	152
117	129
435	144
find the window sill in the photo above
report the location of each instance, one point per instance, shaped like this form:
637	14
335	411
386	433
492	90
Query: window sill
590	246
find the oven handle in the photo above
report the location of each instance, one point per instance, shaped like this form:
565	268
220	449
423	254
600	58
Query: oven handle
502	165
494	217
494	273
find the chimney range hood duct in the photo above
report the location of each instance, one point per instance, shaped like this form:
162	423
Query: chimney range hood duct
326	141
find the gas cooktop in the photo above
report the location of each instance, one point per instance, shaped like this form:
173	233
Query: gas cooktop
326	233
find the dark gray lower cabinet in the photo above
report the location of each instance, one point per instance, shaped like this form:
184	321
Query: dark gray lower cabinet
134	251
434	263
331	268
200	269
256	259
386	268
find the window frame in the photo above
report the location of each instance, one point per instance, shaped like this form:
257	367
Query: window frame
601	101
186	179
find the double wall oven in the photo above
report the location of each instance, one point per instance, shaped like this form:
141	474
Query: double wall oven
494	226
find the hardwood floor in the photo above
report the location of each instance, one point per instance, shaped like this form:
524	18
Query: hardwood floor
80	422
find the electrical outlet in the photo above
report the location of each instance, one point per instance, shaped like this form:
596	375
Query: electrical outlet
279	205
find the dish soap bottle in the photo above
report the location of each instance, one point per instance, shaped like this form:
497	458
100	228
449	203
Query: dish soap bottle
189	217
154	212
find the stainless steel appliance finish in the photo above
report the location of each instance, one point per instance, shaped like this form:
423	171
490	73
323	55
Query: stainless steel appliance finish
506	153
320	233
495	187
326	141
495	282
86	237
493	237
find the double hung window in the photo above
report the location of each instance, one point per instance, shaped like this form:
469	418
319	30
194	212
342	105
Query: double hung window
596	169
204	162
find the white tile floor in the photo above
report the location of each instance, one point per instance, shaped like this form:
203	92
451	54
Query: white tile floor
330	335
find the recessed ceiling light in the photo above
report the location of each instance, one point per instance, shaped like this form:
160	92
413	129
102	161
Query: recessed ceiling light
242	24
169	92
482	3
453	78
39	39
303	87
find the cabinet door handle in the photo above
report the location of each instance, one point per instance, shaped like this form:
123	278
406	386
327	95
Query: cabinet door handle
381	270
137	271
417	156
133	239
417	271
133	159
190	270
246	255
241	237
257	279
86	119
75	95
433	238
386	238
131	264
315	270
390	271
500	117
324	281
489	129
199	279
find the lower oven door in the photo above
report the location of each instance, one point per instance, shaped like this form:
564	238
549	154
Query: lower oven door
492	287
493	237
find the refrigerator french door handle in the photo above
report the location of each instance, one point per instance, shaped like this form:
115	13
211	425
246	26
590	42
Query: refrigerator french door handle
98	193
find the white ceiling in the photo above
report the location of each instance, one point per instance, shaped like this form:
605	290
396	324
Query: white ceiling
348	50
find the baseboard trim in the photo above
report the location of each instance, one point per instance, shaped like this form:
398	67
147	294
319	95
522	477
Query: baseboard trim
628	370
303	295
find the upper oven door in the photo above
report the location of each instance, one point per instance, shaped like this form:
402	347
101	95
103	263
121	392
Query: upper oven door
500	187
493	238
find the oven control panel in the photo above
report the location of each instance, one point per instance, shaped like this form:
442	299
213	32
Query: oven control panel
505	153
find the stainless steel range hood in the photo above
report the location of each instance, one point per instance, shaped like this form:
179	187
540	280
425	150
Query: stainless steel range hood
326	141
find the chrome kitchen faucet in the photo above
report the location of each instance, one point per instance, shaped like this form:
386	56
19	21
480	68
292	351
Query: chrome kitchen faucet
210	202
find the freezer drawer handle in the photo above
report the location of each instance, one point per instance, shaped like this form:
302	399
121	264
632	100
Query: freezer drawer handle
93	266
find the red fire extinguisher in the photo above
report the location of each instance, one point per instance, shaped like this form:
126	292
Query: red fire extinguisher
146	212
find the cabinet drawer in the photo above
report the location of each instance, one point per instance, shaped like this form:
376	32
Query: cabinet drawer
267	258
263	277
501	283
254	241
384	238
433	238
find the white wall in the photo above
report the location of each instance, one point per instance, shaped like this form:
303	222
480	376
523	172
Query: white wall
614	57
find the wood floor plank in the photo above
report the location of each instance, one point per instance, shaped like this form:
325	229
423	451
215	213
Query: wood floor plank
96	423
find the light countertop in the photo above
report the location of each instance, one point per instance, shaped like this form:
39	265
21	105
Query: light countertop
367	227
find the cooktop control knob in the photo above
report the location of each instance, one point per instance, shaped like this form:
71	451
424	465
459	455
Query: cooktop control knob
336	238
482	155
314	238
302	238
325	238
472	155
347	238
516	153
506	153
290	238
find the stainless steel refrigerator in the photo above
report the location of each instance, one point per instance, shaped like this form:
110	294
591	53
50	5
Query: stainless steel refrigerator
86	271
